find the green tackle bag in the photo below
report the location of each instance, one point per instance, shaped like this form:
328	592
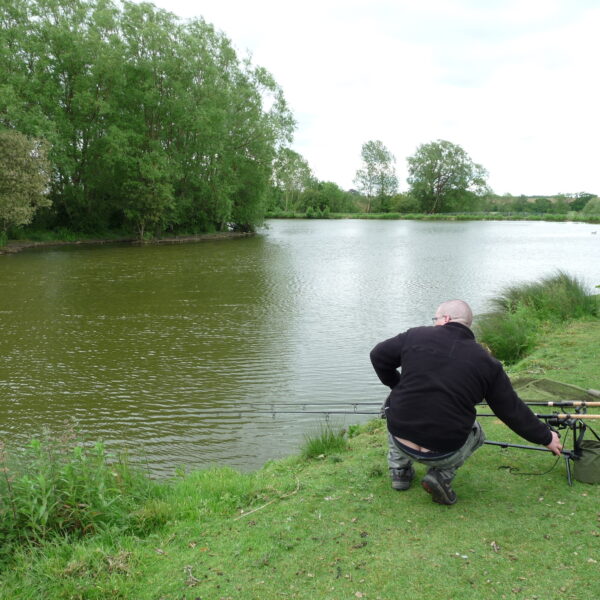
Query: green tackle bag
587	465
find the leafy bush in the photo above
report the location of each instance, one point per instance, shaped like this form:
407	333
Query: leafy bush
60	487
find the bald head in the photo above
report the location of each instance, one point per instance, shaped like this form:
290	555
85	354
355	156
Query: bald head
454	310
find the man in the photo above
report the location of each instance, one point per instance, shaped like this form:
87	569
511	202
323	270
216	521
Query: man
431	412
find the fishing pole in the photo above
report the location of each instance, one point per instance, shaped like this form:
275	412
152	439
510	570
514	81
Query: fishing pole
582	403
261	411
557	416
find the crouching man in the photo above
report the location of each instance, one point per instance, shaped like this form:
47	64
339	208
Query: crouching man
431	412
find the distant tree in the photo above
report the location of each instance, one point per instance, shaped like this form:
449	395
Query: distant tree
404	203
580	200
327	196
520	204
377	178
592	207
542	205
24	178
443	178
292	175
561	205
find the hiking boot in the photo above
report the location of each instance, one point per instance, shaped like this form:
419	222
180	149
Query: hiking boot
401	478
439	487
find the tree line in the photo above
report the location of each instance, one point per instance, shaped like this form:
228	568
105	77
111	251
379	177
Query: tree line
442	178
148	123
117	116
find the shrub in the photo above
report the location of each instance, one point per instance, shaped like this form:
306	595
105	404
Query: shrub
59	487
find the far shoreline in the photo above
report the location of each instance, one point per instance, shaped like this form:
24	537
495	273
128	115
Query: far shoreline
15	246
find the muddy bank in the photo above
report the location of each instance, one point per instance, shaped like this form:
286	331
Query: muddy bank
15	246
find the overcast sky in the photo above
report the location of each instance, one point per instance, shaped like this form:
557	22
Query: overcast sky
514	82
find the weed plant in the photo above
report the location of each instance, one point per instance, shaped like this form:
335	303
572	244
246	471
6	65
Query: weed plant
522	311
58	487
324	443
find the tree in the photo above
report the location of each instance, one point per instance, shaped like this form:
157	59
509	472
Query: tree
325	197
377	178
405	203
292	175
592	208
443	178
24	178
580	200
135	101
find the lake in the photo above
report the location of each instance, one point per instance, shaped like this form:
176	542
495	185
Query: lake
189	355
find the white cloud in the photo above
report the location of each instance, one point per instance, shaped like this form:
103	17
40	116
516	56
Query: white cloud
513	82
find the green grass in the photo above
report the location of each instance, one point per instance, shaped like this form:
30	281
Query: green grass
570	353
332	528
522	313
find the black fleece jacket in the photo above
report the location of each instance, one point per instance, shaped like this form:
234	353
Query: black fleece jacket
445	373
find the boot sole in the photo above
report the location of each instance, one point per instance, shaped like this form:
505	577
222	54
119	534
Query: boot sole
437	492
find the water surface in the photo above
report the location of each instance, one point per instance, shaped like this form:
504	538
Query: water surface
181	354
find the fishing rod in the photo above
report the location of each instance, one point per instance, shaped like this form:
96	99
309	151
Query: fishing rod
579	403
556	416
574	422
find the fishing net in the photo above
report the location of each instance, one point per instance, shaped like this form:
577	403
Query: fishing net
587	465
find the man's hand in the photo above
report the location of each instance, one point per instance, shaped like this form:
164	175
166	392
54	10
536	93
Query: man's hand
555	445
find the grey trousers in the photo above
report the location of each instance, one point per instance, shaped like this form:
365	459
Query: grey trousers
447	465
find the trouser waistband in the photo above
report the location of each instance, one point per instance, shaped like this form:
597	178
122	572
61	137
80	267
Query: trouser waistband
420	455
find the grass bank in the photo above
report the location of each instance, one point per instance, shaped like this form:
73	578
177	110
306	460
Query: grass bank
330	526
522	314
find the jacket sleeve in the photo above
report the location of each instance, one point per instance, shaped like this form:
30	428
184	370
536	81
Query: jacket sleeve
507	405
386	357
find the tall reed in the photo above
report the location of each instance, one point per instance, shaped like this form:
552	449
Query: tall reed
519	313
326	441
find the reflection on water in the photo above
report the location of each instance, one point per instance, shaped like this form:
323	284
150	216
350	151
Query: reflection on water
178	353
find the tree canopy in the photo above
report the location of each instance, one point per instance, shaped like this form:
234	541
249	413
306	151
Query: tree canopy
592	207
24	178
152	122
443	178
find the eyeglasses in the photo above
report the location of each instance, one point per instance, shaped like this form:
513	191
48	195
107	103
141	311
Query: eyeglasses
434	319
